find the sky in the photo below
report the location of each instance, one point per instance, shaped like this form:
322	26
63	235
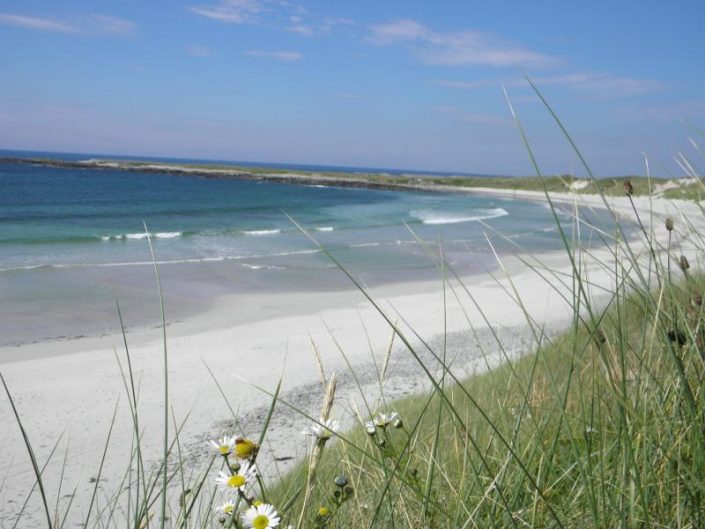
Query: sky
405	84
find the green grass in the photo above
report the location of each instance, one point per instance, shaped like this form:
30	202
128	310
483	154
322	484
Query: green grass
596	429
602	426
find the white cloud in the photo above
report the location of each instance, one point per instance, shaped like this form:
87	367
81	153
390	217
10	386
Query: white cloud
684	110
109	25
603	84
596	84
93	24
316	26
232	11
298	26
197	50
280	55
38	23
278	14
474	118
466	85
456	48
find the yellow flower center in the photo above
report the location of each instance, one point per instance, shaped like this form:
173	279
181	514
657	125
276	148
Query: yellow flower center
323	511
257	503
260	522
228	509
244	448
224	450
236	481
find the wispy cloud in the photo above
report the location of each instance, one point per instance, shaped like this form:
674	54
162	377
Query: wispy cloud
109	25
603	84
38	23
232	11
667	112
93	24
279	55
466	85
299	26
198	50
311	25
285	15
474	118
596	84
456	48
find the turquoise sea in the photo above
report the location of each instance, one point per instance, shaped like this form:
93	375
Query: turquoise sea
72	240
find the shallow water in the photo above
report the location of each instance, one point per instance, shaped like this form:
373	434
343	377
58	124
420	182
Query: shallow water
73	240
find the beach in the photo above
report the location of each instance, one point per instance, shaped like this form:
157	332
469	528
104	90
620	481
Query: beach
69	389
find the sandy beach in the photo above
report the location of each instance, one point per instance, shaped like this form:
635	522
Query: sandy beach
70	389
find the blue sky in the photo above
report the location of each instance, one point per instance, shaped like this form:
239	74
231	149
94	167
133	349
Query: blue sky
399	84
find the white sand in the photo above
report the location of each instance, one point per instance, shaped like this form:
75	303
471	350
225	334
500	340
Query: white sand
70	388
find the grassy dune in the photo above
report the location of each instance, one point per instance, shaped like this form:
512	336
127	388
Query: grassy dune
602	427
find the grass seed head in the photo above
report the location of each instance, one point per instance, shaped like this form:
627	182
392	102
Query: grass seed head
628	188
683	263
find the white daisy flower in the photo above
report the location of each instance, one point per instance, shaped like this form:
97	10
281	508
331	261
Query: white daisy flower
370	428
385	419
323	431
261	517
227	508
237	480
224	446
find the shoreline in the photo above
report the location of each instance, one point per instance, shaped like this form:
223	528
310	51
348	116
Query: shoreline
367	180
79	391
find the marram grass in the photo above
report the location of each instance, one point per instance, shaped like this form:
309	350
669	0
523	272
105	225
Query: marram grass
603	426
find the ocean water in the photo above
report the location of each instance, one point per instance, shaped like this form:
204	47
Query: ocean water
73	240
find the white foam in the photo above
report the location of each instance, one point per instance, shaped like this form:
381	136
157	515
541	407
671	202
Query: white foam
325	228
167	234
161	262
436	217
260	267
364	245
143	235
261	232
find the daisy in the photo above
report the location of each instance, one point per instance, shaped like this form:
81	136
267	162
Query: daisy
370	428
227	508
385	419
239	479
261	517
224	446
323	431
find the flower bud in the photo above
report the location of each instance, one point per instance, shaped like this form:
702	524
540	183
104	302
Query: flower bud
683	263
669	223
628	188
341	481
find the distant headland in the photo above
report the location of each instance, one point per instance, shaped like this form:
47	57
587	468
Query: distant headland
682	188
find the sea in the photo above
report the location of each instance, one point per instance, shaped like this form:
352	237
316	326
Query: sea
76	242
